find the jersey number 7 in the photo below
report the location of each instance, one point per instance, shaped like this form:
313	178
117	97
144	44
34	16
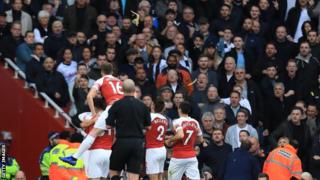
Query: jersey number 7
189	134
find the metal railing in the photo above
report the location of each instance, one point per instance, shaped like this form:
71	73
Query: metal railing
48	102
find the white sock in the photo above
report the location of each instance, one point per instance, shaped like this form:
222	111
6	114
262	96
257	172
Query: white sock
85	145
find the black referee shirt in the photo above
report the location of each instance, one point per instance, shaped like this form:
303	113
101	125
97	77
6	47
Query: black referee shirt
129	116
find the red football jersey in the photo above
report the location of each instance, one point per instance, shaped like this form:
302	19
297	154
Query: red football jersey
155	136
184	148
102	142
110	88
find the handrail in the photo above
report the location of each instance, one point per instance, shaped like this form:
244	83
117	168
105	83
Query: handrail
48	101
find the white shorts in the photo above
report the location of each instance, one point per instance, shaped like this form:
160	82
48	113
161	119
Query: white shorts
98	163
155	158
101	122
178	167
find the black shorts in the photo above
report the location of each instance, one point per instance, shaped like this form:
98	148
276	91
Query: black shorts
127	151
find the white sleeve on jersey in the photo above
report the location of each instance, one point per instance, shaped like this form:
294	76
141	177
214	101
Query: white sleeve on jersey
98	83
176	124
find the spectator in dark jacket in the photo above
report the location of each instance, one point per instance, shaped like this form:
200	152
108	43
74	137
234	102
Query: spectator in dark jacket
240	164
215	154
55	41
294	129
8	44
80	17
147	88
312	37
286	49
224	21
34	66
80	92
242	57
290	78
267	83
95	69
234	107
279	106
252	41
226	77
203	62
53	83
270	56
187	27
308	72
213	100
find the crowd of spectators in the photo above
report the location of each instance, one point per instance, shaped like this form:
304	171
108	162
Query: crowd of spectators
246	65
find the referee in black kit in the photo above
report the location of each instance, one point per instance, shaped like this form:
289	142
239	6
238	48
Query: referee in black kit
130	117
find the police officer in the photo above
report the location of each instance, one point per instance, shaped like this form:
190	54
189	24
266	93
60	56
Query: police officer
44	159
130	117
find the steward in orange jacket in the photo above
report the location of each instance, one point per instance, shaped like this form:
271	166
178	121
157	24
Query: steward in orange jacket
283	163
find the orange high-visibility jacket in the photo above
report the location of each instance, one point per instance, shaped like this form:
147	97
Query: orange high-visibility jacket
283	163
186	80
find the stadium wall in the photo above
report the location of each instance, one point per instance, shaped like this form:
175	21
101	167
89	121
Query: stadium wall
27	119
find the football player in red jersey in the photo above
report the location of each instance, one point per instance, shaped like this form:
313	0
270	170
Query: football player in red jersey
155	136
187	131
100	151
111	89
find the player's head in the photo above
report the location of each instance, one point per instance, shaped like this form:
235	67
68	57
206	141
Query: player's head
159	106
184	108
99	103
106	69
128	86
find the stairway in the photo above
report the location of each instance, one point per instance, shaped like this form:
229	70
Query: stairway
29	119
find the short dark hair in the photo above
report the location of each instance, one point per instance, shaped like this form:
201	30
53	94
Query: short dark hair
226	5
107	68
138	60
81	64
36	45
291	61
202	56
217	129
236	92
312	30
159	105
28	32
245	131
244	111
185	107
297	108
313	104
304	42
170	55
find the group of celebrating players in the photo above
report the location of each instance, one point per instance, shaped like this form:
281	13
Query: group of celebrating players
100	138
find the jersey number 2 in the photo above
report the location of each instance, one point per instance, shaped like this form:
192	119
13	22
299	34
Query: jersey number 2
189	134
160	129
